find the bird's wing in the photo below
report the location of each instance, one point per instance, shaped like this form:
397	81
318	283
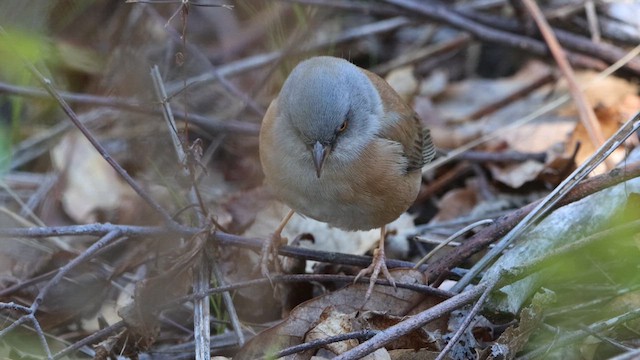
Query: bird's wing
403	125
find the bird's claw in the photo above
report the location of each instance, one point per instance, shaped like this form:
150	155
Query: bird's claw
270	248
377	264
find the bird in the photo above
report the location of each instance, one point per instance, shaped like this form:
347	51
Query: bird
340	146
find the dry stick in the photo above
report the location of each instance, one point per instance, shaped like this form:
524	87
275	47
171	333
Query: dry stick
167	113
31	311
202	273
91	252
423	53
201	310
228	302
46	83
457	172
221	237
467	320
612	30
201	279
185	3
23	319
38	144
28	316
605	339
492	107
444	14
410	324
318	343
550	201
503	157
456	235
204	122
592	18
585	111
98	335
462	18
42	277
307	278
35	220
242	66
229	86
97	229
604	51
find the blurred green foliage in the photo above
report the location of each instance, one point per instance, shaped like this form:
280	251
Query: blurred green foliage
17	47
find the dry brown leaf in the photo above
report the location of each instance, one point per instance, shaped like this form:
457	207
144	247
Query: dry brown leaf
403	82
515	175
92	185
538	136
558	166
456	203
607	92
418	339
434	84
466	97
610	120
614	100
332	323
20	258
348	300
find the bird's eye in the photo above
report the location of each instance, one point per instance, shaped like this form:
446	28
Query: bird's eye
343	126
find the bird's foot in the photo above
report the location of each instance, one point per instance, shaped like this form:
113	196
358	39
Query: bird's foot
377	264
270	249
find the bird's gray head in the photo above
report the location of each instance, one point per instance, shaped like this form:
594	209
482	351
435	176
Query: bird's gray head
333	107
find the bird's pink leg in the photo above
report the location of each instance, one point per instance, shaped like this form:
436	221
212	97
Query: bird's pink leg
377	264
271	245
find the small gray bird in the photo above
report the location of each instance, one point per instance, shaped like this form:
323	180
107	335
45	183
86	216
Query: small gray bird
340	146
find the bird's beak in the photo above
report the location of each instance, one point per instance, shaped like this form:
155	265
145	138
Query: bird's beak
319	153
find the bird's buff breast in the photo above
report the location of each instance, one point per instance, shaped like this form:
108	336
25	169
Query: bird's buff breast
362	196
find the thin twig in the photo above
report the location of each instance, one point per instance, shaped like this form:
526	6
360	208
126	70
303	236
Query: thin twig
467	321
318	343
604	51
585	110
242	66
592	18
210	124
167	113
98	335
410	324
202	273
230	87
417	55
496	105
228	303
456	235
